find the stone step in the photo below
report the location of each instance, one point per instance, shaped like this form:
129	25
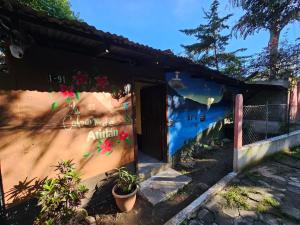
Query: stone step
148	166
163	185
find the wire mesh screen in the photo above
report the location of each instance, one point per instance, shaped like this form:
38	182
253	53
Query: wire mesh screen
264	121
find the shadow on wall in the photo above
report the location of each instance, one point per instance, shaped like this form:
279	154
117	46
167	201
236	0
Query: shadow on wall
35	134
208	137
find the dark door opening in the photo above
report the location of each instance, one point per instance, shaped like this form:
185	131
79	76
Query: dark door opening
153	121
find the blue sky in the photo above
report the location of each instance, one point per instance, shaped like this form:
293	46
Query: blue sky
157	22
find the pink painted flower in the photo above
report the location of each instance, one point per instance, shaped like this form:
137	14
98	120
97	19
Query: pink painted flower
123	135
102	82
106	146
80	78
66	91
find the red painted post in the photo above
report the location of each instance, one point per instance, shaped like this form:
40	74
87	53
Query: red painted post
298	101
238	131
293	103
238	121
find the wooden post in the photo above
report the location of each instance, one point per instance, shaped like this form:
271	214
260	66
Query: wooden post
238	131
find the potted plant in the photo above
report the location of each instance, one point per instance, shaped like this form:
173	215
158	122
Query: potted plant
125	189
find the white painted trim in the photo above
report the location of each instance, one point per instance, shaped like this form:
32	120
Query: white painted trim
255	152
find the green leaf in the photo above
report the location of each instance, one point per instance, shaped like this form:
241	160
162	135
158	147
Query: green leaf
86	154
54	105
127	140
68	100
77	94
99	149
118	141
108	153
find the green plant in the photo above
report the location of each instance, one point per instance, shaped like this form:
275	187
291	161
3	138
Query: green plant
295	152
266	203
60	196
237	197
126	182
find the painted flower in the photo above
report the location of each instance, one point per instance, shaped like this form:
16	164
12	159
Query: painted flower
102	82
66	91
123	135
106	146
80	78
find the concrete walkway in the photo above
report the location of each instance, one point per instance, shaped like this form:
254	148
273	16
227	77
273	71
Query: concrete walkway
163	185
268	194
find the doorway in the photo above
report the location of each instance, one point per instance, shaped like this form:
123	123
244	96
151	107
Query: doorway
151	120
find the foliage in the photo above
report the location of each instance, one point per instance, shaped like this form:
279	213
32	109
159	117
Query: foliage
270	15
294	152
210	48
237	197
266	203
265	15
288	62
57	8
126	182
60	196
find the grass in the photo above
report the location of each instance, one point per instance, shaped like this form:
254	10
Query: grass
266	204
295	152
237	197
184	222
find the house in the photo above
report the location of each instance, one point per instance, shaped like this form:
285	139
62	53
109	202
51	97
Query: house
70	91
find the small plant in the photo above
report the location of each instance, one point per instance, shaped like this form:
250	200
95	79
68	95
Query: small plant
126	182
295	152
237	197
266	203
60	196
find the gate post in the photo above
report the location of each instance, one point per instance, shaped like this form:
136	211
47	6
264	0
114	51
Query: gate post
238	131
298	102
293	102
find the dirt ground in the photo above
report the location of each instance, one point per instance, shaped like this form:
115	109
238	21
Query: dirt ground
207	168
267	194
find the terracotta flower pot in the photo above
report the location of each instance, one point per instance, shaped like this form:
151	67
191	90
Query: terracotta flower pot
124	202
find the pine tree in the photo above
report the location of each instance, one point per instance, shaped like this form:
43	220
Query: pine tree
211	42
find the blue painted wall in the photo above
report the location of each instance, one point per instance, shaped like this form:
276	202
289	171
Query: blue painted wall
194	105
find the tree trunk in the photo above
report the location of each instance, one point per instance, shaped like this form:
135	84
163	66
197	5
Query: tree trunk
216	57
273	49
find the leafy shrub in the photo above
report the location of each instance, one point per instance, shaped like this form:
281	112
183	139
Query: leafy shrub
126	182
60	196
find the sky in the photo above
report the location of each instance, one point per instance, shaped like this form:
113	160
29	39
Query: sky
156	23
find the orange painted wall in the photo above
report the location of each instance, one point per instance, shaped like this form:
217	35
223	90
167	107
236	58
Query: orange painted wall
33	137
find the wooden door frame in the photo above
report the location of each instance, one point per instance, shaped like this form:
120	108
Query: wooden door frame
165	128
